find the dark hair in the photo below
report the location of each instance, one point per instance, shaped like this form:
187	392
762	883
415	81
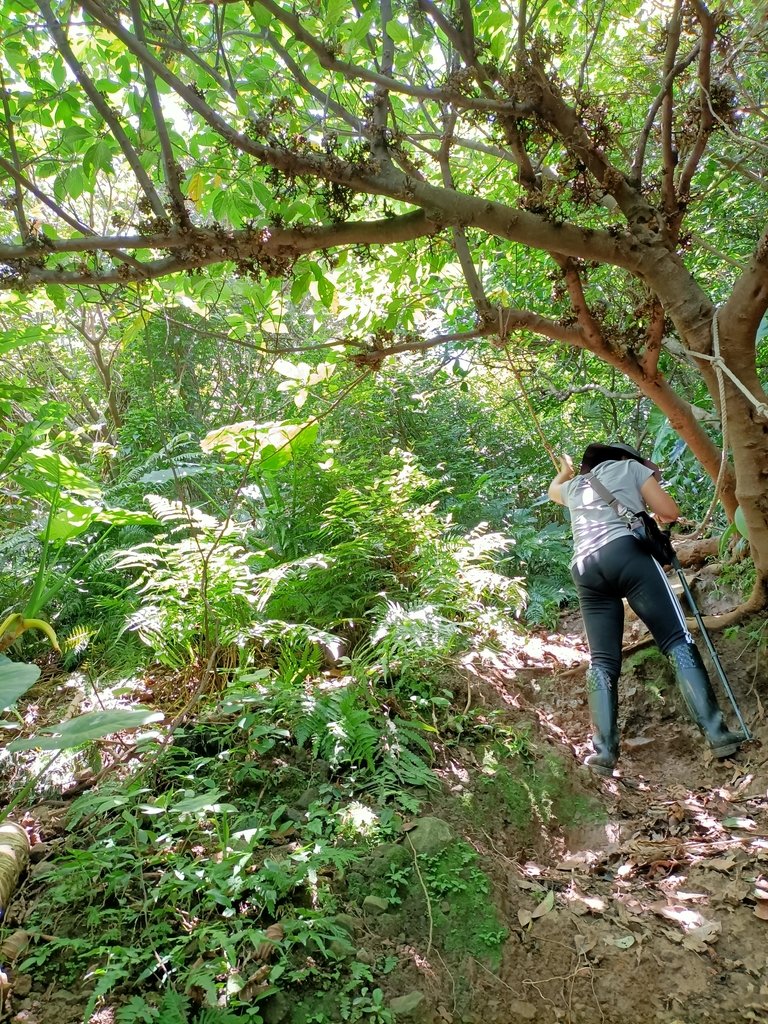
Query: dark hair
614	451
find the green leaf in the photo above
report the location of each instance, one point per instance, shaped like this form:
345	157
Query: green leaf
92	726
326	289
269	445
71	519
299	288
745	823
98	158
55	468
73	138
16	677
209	801
397	33
741	523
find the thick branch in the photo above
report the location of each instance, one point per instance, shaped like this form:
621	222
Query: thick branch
748	301
568	127
441	205
380	93
273	250
650	359
706	120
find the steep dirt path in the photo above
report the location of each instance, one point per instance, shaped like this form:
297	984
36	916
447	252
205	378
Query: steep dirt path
660	909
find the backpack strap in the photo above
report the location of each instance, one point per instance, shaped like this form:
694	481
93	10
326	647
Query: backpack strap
608	496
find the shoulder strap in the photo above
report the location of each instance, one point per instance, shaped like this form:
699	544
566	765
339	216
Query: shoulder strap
607	495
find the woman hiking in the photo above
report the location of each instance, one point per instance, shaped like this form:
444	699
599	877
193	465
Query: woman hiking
609	564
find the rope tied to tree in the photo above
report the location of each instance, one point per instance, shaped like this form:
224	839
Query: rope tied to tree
720	366
761	408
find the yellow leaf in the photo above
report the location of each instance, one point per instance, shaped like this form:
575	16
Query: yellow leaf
195	188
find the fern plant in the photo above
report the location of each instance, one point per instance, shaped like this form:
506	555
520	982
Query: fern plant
347	728
541	555
174	1009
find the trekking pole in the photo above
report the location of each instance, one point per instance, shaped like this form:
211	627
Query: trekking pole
710	646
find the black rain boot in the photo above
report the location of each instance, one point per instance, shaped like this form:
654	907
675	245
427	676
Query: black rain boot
700	699
603	699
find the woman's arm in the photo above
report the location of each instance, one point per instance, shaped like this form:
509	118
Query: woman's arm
662	505
566	473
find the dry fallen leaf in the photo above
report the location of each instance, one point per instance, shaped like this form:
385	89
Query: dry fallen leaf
623	942
698	938
720	864
546	905
761	910
584	943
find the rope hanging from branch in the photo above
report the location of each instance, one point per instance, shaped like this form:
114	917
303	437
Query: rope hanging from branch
518	377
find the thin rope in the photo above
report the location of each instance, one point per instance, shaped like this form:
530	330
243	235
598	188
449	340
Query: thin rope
534	417
719	365
720	368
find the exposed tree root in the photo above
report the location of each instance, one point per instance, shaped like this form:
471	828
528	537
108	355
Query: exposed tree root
757	602
693	552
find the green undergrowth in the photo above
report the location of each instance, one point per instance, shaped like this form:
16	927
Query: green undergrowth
463	912
232	868
528	786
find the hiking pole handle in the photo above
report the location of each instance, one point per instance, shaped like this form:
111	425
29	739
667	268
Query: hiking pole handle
711	648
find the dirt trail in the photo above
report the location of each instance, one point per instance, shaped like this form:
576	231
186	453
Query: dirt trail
661	910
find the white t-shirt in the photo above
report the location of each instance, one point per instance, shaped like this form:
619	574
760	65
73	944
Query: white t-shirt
593	521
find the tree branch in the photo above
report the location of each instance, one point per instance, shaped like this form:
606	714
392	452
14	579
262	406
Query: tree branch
672	71
574	136
270	250
18	200
475	285
169	162
379	146
352	71
440	205
650	359
304	82
59	211
101	105
706	119
590	46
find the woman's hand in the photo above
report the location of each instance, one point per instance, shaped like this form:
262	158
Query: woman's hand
566	473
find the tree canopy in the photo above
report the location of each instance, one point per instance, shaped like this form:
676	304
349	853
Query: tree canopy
425	175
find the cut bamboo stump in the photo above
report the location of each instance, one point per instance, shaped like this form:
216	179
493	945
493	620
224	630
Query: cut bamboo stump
14	856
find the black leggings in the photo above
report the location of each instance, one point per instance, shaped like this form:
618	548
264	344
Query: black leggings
623	569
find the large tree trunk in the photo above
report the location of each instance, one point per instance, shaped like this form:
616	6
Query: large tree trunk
746	428
747	435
